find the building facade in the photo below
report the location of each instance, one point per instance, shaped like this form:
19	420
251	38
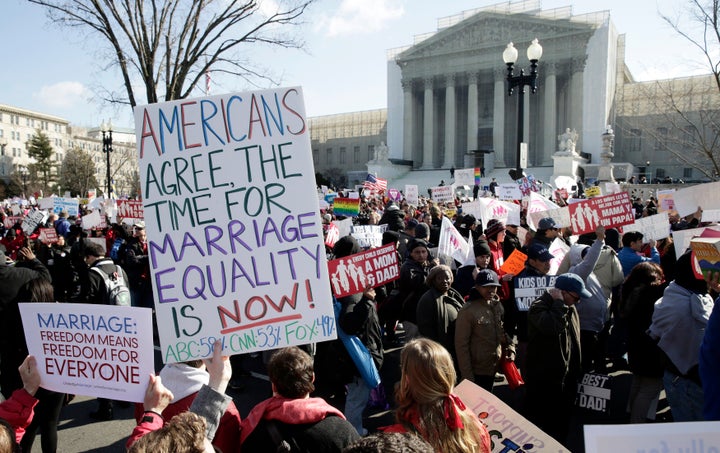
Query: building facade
18	126
343	144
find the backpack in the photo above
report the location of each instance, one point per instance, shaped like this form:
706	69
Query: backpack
117	291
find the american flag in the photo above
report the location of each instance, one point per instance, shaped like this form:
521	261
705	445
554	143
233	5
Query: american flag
375	184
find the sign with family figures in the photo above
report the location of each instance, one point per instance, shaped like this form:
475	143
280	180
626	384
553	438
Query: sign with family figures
231	210
608	211
375	267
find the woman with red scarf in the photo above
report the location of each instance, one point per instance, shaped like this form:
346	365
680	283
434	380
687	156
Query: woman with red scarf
427	405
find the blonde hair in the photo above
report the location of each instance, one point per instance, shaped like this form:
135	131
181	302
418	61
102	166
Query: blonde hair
184	433
428	378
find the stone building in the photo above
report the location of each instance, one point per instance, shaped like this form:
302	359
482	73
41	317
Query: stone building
343	144
18	126
448	103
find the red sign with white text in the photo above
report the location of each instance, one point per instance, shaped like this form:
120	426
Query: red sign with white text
609	210
372	268
48	235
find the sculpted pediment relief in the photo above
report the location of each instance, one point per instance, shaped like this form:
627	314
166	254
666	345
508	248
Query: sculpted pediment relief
486	30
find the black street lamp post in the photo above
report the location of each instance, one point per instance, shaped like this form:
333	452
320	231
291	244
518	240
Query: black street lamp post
534	52
107	149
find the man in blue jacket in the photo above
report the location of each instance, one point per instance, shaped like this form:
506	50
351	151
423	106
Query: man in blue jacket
629	255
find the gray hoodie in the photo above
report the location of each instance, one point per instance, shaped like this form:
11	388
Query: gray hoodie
593	311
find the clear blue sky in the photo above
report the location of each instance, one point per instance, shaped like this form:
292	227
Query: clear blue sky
57	71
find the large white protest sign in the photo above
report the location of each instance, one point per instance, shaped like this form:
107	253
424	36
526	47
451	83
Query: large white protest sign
33	220
688	199
235	241
508	191
558	248
490	208
508	430
465	177
411	194
94	350
442	194
652	227
70	205
91	220
368	235
560	215
695	437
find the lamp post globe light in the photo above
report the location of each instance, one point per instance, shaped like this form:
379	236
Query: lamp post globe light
106	129
510	55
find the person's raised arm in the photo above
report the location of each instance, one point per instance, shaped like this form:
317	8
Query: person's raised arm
211	400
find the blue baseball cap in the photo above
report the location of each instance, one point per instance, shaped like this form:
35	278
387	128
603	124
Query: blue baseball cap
572	283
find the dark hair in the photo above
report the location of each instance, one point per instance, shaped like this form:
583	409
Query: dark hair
630	237
38	289
390	443
291	370
643	274
93	249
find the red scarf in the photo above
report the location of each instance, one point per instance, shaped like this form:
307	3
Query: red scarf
452	406
286	410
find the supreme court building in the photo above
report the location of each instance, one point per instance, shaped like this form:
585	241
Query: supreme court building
448	101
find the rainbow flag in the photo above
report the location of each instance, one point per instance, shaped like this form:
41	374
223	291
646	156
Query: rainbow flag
477	176
349	207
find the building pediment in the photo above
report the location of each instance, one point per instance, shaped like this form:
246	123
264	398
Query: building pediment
488	31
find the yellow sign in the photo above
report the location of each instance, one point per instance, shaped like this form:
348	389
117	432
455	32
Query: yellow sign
593	191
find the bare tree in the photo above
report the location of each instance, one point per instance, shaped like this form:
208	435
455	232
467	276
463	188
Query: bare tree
679	119
171	44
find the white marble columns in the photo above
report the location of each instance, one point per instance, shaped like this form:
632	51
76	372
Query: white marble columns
428	125
472	101
408	119
449	160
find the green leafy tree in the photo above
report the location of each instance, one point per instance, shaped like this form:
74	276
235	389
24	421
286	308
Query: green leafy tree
77	172
170	45
39	148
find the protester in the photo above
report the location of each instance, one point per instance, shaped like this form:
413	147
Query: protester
678	325
184	381
358	316
17	410
428	406
437	309
290	415
465	275
412	286
641	289
709	362
547	231
138	267
629	255
553	364
480	338
97	294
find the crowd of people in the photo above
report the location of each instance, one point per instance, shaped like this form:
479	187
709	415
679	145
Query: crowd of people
614	299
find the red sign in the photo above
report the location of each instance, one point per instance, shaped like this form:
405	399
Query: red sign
609	210
130	209
48	235
375	267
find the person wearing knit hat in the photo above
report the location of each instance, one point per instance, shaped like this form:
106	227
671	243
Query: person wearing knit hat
493	228
465	275
411	284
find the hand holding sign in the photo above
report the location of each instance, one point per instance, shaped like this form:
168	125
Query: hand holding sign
29	375
219	369
157	396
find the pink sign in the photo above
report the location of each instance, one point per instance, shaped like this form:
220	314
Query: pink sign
375	267
609	211
48	235
130	209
